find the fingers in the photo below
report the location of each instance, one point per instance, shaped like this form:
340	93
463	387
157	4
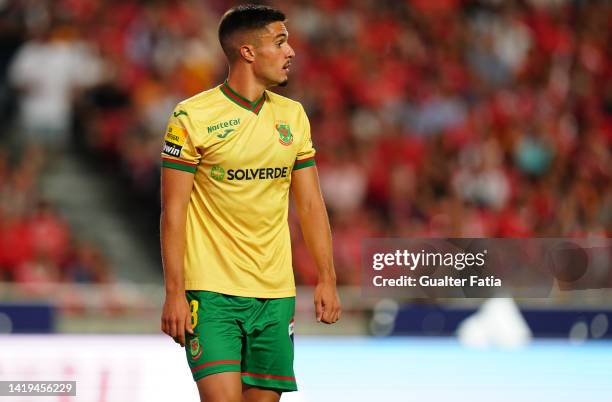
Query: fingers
166	326
176	319
332	314
188	327
176	328
180	331
328	316
319	309
185	327
173	330
334	317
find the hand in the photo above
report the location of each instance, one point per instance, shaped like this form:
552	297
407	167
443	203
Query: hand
176	318
327	302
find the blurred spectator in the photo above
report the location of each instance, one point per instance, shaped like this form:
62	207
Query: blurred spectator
46	70
35	242
50	234
88	265
12	27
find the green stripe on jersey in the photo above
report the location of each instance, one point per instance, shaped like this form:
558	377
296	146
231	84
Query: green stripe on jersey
303	164
179	166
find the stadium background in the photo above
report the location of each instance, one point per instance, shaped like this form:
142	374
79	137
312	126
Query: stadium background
446	118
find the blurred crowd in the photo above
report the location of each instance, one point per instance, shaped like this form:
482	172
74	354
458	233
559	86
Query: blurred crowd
37	247
447	118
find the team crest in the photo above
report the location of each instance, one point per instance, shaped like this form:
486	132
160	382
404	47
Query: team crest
284	134
195	348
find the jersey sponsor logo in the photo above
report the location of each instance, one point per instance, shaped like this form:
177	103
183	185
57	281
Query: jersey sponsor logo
176	135
225	133
179	113
195	348
266	173
257	174
171	149
174	140
217	173
223	124
284	133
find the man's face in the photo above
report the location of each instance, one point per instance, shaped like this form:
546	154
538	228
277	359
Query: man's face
273	55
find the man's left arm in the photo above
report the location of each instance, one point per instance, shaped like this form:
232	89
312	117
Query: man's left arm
317	235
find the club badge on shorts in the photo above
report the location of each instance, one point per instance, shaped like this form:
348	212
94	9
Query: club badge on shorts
195	348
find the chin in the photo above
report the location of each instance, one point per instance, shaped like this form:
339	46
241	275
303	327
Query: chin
278	82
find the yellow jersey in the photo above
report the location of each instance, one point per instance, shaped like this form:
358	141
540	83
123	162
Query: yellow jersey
242	154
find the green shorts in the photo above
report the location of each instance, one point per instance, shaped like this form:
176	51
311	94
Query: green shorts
251	335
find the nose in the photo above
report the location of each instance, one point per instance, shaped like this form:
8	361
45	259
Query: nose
290	52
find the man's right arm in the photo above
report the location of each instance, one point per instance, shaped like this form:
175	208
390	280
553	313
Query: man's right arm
176	186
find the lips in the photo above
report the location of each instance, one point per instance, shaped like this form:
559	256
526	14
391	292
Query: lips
286	66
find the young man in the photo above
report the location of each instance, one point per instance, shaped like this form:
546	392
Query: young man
230	157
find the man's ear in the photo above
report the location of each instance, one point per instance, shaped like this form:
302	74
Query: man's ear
248	53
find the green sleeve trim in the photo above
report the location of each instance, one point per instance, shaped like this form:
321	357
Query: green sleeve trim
179	166
304	163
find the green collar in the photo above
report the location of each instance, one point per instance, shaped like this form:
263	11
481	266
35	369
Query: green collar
235	97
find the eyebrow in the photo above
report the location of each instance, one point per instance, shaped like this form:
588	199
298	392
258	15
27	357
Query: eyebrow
278	36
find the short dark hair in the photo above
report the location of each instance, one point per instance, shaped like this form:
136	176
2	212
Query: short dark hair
245	17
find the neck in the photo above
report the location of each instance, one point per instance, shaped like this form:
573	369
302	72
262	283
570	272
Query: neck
245	84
